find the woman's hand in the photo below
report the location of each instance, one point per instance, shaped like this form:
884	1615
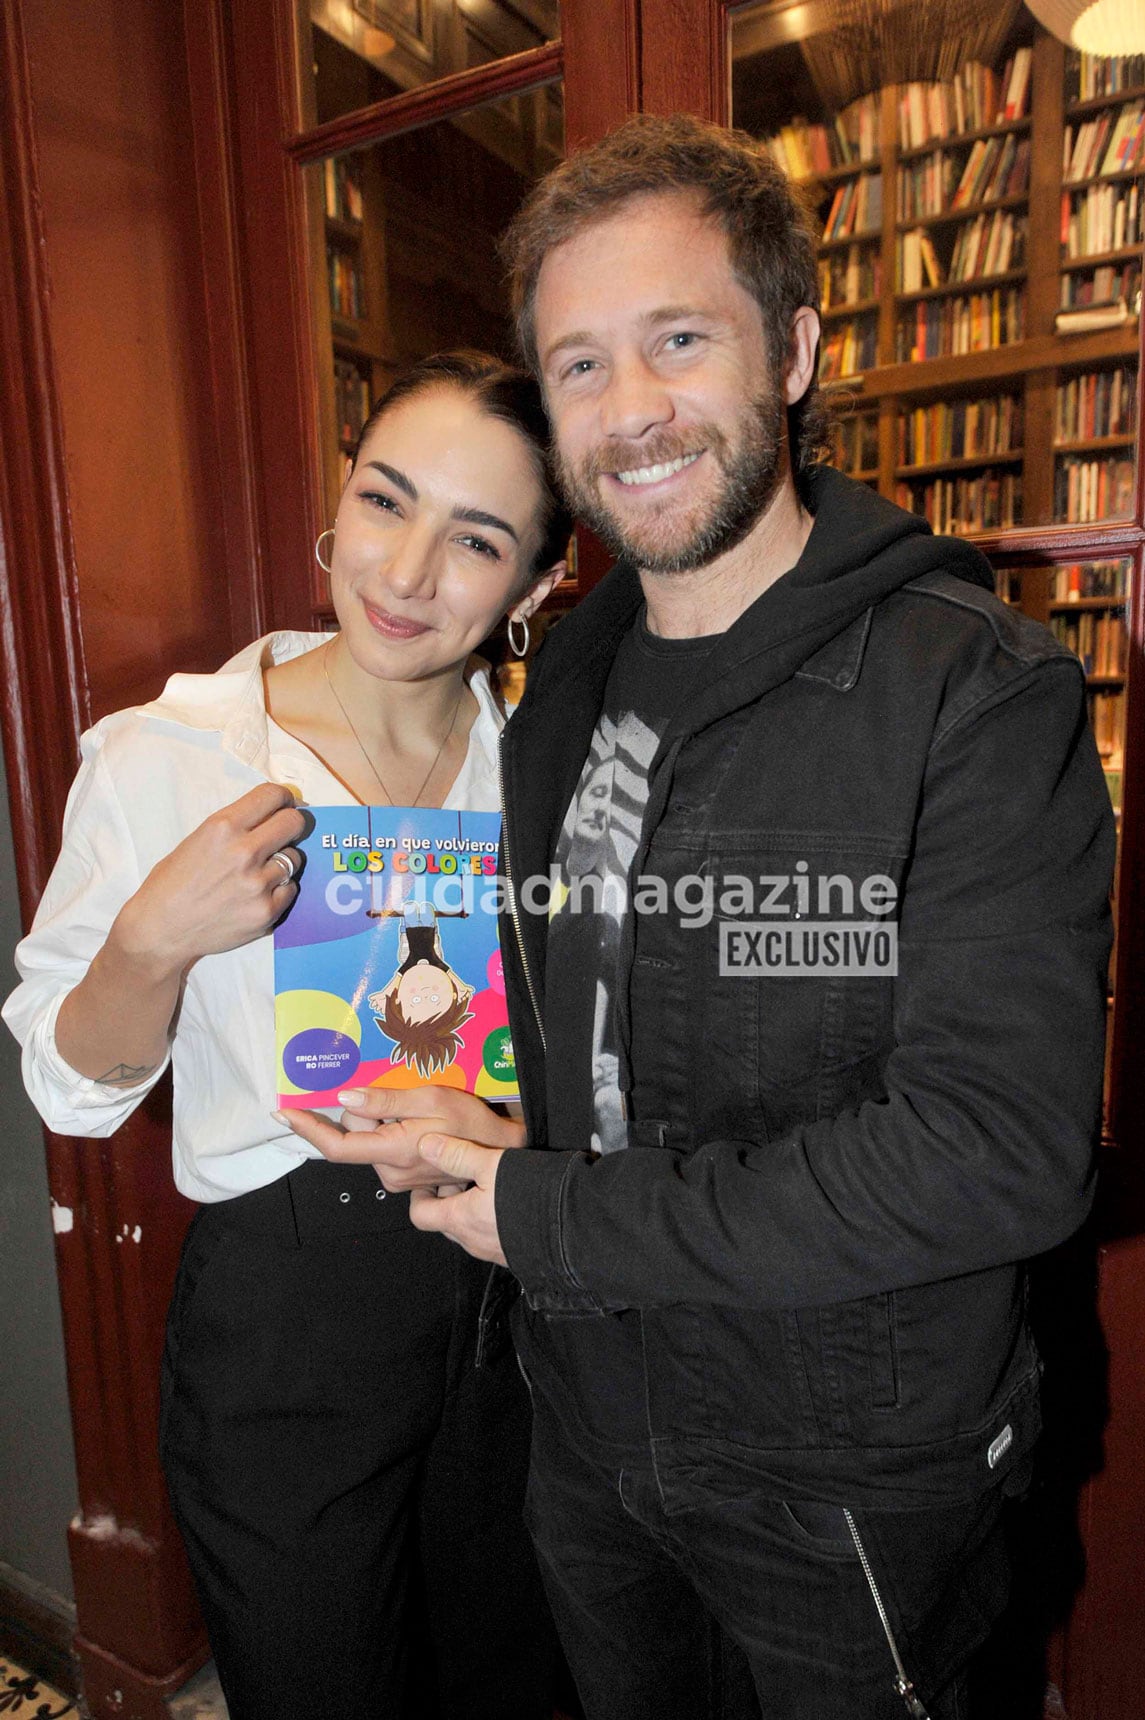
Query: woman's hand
382	1126
219	888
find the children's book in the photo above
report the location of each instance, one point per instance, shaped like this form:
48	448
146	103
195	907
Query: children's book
387	969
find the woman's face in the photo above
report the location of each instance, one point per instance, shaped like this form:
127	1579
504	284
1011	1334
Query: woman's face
436	529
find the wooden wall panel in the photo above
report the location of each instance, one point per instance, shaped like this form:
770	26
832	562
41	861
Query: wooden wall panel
601	66
120	218
685	57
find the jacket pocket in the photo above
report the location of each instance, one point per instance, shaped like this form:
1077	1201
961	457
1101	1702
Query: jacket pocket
882	1351
796	983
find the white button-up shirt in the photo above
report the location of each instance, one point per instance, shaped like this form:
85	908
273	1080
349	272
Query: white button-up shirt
148	777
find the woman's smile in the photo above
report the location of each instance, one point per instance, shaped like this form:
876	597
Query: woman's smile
392	626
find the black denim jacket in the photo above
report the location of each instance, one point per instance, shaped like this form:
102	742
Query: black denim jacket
834	1182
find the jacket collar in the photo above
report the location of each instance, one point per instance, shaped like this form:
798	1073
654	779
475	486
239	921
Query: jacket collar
838	663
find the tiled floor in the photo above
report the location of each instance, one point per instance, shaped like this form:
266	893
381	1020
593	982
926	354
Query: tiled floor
26	1697
201	1699
23	1696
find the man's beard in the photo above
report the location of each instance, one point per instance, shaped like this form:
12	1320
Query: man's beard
751	466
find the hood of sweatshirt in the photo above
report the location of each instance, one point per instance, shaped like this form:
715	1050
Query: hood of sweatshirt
861	549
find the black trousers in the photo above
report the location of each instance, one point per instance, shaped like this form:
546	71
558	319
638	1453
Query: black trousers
745	1603
348	1483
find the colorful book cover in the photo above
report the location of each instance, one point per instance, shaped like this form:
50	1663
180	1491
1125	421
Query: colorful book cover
387	969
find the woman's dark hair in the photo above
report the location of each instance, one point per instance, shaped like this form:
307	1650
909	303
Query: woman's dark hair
504	392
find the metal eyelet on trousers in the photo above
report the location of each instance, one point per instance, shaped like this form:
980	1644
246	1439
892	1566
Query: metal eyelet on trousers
381	1194
343	1198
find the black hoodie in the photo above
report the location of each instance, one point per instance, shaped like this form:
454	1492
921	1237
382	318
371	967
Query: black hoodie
834	1180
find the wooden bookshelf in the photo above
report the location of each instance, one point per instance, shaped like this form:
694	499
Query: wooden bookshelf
966	213
956	289
1042	280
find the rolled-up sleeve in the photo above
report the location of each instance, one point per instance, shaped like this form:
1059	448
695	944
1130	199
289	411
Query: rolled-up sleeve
97	871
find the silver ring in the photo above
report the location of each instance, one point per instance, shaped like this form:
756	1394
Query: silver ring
285	862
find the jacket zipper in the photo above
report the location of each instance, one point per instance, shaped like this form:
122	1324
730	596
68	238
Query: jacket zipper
513	905
902	1683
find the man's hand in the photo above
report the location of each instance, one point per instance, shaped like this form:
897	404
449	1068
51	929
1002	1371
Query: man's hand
383	1126
468	1218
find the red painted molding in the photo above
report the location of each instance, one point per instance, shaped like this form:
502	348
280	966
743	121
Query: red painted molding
601	67
693	81
216	186
1064	543
44	695
432	101
274	241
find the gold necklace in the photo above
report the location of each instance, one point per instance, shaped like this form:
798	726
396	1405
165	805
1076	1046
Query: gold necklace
369	761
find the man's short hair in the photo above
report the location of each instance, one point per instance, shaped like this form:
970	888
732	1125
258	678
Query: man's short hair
770	231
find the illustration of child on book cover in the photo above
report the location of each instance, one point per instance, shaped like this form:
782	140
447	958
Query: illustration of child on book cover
388	967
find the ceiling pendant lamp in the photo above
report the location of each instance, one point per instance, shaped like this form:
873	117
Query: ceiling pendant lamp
1108	27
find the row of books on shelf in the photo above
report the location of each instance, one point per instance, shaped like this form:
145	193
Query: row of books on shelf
857	207
1099	639
940	328
1089	76
939	184
988	245
804	149
342	188
975	99
1097	403
1110	284
846	277
351	400
1084	579
986	501
1101	218
848	347
1113	141
347	297
1086	490
960	430
856	442
1107	719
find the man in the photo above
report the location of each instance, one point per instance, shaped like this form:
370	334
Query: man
772	1211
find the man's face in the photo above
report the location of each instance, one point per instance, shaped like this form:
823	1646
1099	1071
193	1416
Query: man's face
668	423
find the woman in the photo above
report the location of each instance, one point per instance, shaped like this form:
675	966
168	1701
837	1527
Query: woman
341	1470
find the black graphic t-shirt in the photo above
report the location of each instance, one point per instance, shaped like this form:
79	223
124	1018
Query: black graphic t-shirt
595	850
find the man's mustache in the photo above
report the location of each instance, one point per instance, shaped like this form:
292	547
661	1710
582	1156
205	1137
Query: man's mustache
658	449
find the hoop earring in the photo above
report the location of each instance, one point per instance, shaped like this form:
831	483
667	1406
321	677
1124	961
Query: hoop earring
523	623
324	565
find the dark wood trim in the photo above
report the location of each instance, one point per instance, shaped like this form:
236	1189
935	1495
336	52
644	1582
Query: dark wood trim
1127	1066
112	1687
694	75
280	337
1098	542
434	101
38	1628
601	84
213	124
40	645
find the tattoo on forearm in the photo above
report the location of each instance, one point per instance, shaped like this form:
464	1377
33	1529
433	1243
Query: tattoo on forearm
125	1074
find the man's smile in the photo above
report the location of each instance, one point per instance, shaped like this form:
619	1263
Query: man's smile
656	474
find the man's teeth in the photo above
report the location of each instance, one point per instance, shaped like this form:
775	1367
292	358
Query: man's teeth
656	474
